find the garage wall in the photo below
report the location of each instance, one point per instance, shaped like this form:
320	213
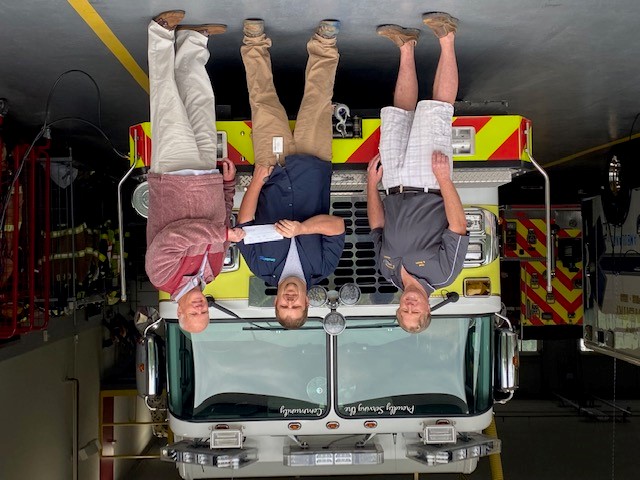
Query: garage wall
36	408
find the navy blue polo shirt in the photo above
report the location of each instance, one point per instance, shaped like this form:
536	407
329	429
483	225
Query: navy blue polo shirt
298	191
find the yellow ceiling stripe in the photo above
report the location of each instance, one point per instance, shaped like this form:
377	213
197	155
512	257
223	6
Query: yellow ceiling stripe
597	148
104	33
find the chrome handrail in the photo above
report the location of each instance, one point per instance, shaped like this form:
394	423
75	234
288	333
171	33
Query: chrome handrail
547	212
123	285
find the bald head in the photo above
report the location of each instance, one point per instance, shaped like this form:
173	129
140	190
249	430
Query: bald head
193	311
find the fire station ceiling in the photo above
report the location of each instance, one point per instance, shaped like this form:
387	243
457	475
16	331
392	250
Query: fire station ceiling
567	65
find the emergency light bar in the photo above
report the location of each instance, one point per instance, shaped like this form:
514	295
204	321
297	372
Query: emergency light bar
467	446
296	456
197	454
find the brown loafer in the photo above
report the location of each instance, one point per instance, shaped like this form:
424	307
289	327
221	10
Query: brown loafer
206	29
440	23
169	19
399	35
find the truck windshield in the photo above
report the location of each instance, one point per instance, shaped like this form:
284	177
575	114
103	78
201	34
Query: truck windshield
229	371
237	369
387	372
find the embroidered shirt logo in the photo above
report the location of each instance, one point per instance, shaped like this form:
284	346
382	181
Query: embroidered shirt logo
421	263
387	263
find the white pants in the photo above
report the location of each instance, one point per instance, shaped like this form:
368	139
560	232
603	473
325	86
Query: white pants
182	104
408	139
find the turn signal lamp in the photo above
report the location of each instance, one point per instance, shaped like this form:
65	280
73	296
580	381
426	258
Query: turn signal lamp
477	287
294	426
333	425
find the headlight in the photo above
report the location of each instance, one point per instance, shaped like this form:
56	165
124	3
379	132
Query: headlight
475	222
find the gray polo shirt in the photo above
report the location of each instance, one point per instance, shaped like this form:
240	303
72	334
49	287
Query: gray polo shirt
415	235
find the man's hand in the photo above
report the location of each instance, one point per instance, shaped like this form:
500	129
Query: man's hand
375	210
235	234
289	228
440	166
228	170
250	199
374	171
261	174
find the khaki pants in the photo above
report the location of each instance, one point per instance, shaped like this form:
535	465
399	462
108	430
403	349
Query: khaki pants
313	130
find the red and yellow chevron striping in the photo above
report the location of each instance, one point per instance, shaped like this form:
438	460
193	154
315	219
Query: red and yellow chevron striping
495	138
566	307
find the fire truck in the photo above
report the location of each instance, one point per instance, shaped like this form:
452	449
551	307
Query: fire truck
350	392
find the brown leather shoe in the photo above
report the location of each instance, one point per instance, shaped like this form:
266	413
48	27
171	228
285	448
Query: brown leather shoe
399	35
253	27
206	29
169	19
328	28
440	23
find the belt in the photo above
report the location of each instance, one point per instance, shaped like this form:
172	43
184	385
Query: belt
403	189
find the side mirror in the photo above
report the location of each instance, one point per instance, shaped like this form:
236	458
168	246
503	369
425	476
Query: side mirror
149	353
506	362
149	366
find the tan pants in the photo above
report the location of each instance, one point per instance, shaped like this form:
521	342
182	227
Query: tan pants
313	130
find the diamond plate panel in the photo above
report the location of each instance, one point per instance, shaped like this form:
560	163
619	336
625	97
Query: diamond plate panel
356	180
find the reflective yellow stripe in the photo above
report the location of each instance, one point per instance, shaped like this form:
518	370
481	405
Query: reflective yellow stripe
104	33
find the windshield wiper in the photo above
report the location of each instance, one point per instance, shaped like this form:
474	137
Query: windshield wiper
211	302
255	326
380	325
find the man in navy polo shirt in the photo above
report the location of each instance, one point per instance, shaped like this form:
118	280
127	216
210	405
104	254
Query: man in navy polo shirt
291	186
